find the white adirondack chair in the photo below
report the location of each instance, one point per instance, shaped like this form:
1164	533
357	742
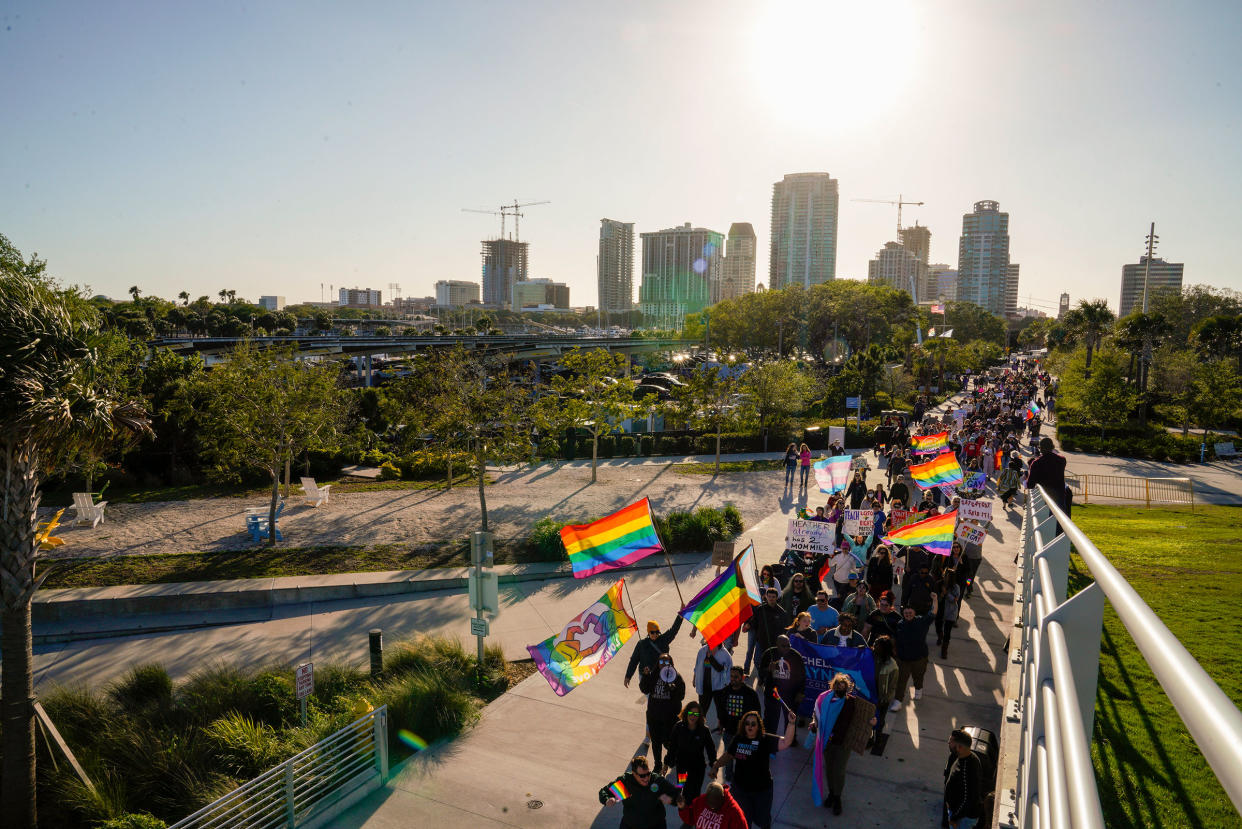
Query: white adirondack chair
315	495
86	511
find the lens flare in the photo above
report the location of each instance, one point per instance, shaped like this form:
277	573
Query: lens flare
411	739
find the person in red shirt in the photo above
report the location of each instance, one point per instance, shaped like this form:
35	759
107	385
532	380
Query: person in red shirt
714	809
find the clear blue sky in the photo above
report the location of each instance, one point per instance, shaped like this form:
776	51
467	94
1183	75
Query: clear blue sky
269	147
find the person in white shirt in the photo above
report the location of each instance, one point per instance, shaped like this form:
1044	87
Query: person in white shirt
711	673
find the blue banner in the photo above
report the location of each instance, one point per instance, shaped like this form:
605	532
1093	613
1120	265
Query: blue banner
823	662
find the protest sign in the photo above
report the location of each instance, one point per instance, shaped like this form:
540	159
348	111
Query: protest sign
858	522
970	534
901	517
823	662
810	536
977	511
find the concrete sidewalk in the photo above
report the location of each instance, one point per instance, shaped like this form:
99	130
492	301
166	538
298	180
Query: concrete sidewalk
536	759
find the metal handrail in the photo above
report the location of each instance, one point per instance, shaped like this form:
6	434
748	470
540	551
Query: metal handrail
1208	713
309	784
1056	783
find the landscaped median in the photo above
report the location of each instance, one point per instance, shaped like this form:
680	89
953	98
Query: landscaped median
1187	566
163	750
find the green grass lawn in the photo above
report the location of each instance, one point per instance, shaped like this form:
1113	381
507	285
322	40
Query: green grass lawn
1188	568
709	468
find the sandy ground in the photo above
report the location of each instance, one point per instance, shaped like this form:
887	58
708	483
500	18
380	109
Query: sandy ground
515	500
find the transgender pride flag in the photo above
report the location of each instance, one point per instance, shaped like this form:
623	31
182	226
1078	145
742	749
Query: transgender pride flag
833	474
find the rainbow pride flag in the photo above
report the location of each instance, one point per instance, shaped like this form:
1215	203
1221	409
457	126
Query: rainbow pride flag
619	791
833	474
940	470
1031	410
681	779
722	606
622	538
584	646
933	534
924	444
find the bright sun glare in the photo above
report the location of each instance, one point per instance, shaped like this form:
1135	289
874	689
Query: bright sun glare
828	65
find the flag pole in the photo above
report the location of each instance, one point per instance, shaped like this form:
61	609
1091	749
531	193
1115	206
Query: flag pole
667	560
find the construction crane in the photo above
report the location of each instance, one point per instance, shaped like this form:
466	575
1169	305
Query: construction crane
507	210
899	204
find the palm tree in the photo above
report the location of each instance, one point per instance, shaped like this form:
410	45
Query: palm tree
184	296
134	292
224	294
1089	322
48	408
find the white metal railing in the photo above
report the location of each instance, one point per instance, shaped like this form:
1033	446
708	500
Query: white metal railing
1132	488
1055	707
309	788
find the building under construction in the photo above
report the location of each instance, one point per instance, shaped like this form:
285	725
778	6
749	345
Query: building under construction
504	263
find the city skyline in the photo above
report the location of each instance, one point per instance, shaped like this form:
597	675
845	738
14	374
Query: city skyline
265	151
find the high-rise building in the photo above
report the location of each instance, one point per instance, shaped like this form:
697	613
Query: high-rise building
1011	289
678	265
917	240
1164	276
898	267
804	230
504	262
1063	306
454	293
941	283
540	294
615	266
272	303
983	258
739	264
360	298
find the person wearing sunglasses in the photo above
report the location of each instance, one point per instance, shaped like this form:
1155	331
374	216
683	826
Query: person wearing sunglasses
647	795
751	751
691	749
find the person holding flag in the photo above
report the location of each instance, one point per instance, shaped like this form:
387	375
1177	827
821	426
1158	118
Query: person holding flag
691	750
665	689
642	796
836	711
646	655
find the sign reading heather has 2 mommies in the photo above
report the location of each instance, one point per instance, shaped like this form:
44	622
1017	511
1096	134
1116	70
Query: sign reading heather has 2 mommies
810	536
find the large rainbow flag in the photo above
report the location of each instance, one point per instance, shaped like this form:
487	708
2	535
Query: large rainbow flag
923	444
585	645
833	474
720	608
940	470
1032	409
933	534
620	539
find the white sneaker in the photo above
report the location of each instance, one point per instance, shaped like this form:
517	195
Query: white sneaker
917	693
894	706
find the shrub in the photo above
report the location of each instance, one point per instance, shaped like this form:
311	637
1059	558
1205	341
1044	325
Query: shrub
432	463
142	820
212	692
733	520
545	540
244	747
697	531
444	657
427	704
374	457
143	686
389	471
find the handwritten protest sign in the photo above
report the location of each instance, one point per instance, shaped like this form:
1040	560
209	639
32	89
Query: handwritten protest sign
810	536
901	517
858	522
970	533
977	511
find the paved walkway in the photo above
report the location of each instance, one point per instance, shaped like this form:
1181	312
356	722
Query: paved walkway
536	759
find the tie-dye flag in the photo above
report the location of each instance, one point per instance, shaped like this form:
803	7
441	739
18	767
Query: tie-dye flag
925	444
1031	410
583	648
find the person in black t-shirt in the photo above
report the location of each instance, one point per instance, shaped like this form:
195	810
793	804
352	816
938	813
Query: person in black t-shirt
734	700
751	750
883	620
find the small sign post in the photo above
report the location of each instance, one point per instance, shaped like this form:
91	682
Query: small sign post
304	682
483	590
